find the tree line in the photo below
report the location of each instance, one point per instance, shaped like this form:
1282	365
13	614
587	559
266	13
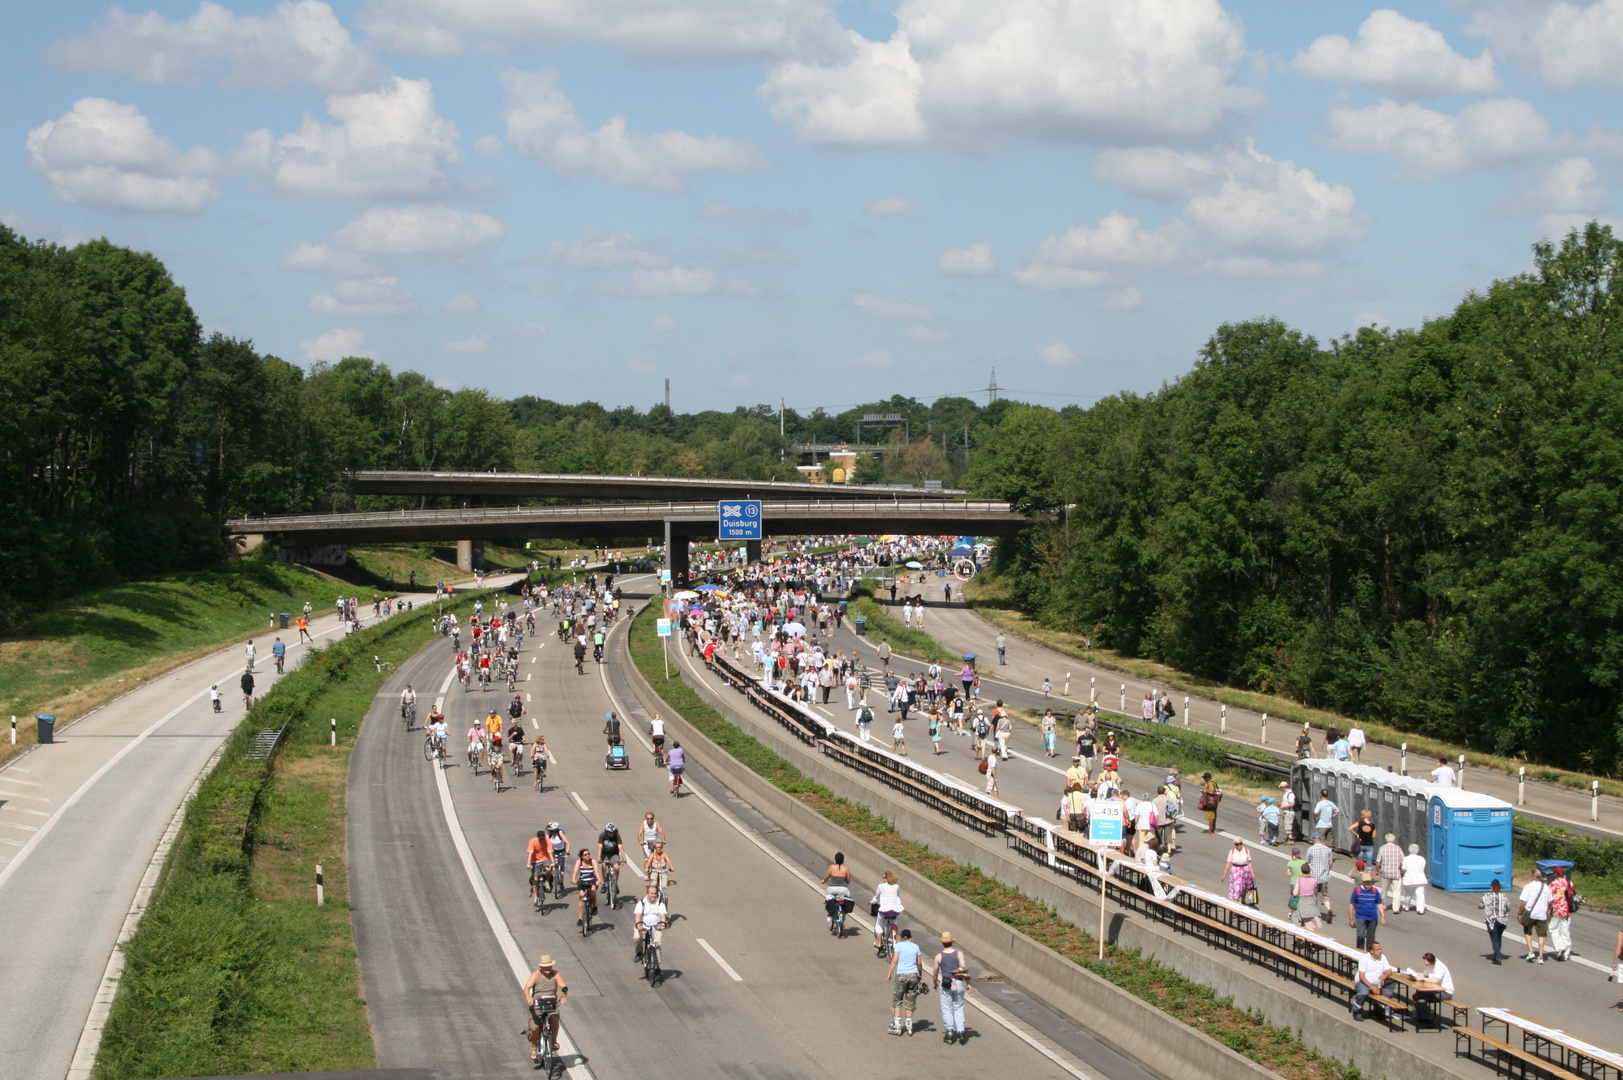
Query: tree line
1423	526
131	435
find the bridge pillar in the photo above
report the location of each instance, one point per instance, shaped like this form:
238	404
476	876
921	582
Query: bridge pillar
470	555
676	554
752	551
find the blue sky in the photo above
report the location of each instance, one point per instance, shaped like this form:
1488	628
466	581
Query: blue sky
765	198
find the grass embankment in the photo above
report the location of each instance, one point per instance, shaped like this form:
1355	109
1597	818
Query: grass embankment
990	601
1246	1032
234	968
80	653
882	626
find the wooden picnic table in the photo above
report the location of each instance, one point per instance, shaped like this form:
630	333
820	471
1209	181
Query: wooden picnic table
1553	1044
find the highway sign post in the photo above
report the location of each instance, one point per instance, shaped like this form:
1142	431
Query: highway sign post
663	627
738	519
1105	825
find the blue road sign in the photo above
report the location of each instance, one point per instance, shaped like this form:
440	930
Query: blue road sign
738	519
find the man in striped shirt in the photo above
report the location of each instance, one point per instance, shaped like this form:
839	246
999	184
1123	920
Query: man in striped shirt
1389	864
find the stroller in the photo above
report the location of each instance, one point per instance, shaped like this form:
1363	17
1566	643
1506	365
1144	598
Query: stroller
616	757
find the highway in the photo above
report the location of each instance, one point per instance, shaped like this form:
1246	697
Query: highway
754	985
81	824
1452	928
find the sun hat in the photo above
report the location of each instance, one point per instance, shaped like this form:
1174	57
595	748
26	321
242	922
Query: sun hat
545	961
946	937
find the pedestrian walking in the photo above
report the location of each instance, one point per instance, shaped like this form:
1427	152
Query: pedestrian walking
1050	729
1495	905
865	723
1355	742
1389	865
1287	812
251	652
1534	915
1562	901
1210	796
1237	872
247	688
1414	879
903	976
989	766
1002	650
1320	858
1364	911
950	978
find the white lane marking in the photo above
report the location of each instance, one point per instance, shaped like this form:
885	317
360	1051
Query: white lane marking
529	699
446	685
533	659
516	962
716	956
20	795
439	703
997	1015
576	796
72	800
84	1055
25	810
24	828
30	783
528	675
8	840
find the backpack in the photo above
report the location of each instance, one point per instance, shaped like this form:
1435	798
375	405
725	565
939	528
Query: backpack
982	767
981	729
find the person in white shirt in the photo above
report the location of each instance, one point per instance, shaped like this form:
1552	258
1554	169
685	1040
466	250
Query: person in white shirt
1372	971
1144	820
991	772
898	738
1443	774
1534	915
651	915
1414	879
251	651
1437	972
1355	743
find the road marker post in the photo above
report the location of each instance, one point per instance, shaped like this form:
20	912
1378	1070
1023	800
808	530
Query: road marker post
1403	760
335	731
1594	800
13	731
1460	779
1223	719
1067	684
1521	786
321	888
1186	710
1265	729
1093	690
1124	699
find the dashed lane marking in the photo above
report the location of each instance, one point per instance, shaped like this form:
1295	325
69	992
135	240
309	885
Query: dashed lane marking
716	956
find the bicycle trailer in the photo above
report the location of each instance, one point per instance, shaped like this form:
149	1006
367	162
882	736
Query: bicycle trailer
616	757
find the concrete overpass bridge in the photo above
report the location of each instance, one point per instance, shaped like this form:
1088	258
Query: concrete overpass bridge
621	488
677	523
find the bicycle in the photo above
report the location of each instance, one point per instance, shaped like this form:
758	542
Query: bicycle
475	756
591	912
611	885
836	915
408	712
887	940
433	751
540	776
542	1013
540	881
659	755
557	881
676	785
496	771
650	957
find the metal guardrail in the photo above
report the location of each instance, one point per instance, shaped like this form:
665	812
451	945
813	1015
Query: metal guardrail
266	742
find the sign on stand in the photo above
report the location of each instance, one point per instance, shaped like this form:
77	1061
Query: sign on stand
664	627
738	519
1105	822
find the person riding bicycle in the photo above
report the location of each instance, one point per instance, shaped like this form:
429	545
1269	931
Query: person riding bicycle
559	842
538	759
580	655
611	728
515	708
656	732
837	882
476	743
540	864
544	995
659	868
651	916
585	881
649	833
515	739
484	668
493	723
408	701
436	730
889	898
610	852
279	651
597	646
676	762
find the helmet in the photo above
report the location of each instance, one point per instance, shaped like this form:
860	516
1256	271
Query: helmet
608	826
553	826
609	715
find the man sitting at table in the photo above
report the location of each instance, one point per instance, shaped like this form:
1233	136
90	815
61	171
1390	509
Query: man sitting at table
1437	972
1372	971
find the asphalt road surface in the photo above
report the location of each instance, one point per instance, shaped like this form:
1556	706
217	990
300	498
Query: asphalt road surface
754	986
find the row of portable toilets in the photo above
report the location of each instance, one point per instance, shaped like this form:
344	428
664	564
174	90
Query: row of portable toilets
1467	837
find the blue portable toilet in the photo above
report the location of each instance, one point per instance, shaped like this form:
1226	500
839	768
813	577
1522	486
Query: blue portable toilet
1471	840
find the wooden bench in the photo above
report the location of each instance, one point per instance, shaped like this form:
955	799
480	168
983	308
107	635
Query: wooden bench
1506	1053
920	791
1394	1008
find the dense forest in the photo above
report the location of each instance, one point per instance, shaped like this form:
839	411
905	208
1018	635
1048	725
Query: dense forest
1424	526
131	435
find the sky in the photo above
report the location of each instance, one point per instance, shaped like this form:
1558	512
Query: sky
828	203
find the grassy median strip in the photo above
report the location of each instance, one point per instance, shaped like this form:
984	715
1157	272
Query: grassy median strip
234	968
903	639
1246	1032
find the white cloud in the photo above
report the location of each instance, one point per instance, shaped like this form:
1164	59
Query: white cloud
1261	266
418	230
674	281
324	259
597	250
881	308
924	333
889	206
1370	318
1047	278
664	324
1158	173
964	73
477	343
1116	241
1398	56
1567	44
880	358
298	42
974	259
1056	355
488	145
1273	206
1128	299
387	142
105	153
464	304
756	216
334	345
698	29
380	297
542	124
1430	143
531	330
1567	195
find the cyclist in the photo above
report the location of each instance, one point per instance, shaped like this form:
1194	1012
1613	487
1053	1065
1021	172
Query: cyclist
656	732
279	651
659	869
585	881
611	728
436	731
837	881
597	645
408	702
496	762
651	919
559	842
676	762
476	746
609	857
540	863
580	655
493	723
538	760
484	669
544	993
515	739
889	898
650	832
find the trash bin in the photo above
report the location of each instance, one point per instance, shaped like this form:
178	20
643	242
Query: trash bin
844	604
284	620
862	626
969	658
47	726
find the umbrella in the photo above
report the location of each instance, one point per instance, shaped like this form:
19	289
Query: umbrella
708	587
915	566
685	594
696	607
794	629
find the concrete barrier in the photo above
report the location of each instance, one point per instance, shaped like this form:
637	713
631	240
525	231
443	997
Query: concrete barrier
1321	1023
